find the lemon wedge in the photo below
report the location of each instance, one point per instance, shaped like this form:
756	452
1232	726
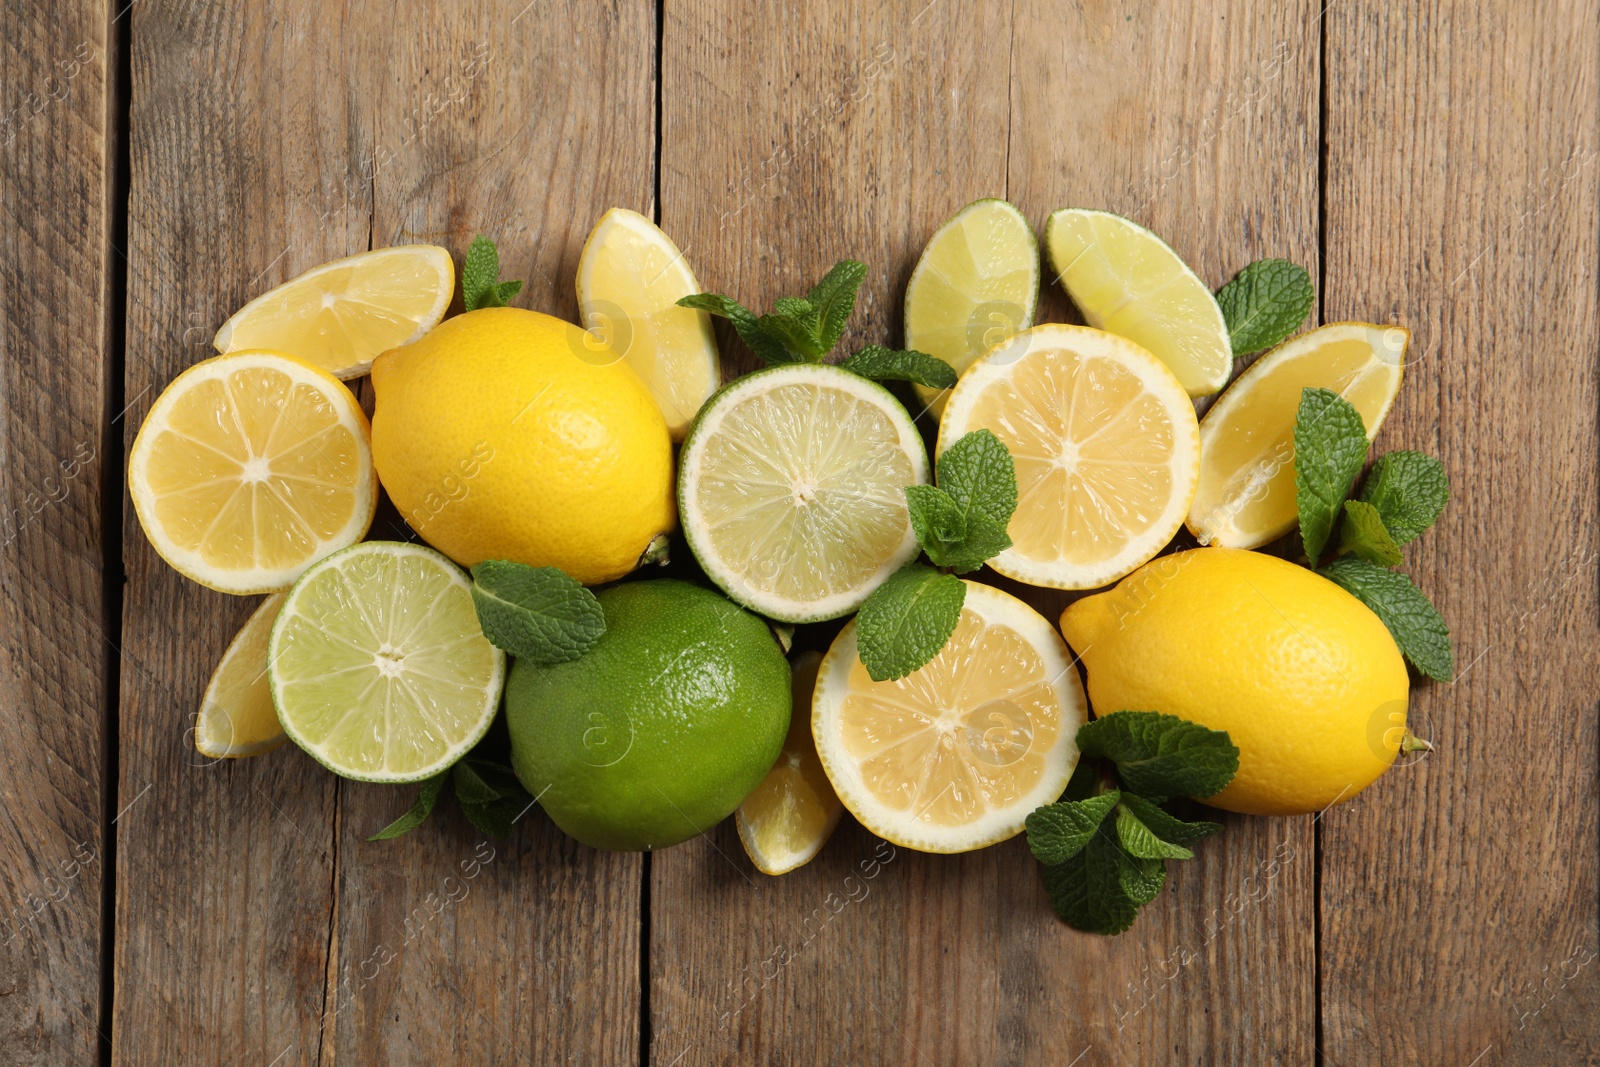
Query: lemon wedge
236	716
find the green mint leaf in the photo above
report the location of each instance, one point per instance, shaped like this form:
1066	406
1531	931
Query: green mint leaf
1165	825
801	310
1139	841
1087	891
936	519
419	811
1160	755
834	297
749	330
1330	444
1265	303
535	613
984	541
1141	877
794	334
1085	781
1059	831
1416	625
1363	534
907	620
1409	489
978	472
480	277
892	364
490	794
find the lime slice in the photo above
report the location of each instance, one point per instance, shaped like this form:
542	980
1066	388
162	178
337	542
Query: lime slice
791	490
1127	281
630	277
344	314
236	714
378	666
976	284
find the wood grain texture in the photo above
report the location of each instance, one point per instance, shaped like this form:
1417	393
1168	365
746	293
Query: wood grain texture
255	922
1459	894
1202	124
55	163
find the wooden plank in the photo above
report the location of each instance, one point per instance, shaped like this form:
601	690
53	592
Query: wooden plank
254	921
1459	911
56	158
1202	127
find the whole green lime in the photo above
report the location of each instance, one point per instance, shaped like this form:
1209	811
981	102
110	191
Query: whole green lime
660	730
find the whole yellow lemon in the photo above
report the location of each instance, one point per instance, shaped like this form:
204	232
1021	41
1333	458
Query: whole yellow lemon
1303	676
508	434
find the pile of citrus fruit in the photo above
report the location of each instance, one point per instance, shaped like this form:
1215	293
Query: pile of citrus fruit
594	452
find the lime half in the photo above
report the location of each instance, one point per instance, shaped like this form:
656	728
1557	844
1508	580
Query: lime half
976	285
791	490
1127	281
378	666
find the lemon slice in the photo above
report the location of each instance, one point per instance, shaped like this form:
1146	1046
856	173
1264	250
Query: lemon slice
793	812
1127	281
236	715
1106	446
378	666
630	277
955	755
1246	496
343	315
791	490
976	284
249	467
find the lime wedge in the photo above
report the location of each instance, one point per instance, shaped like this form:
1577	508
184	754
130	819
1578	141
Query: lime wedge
1127	281
791	490
378	666
630	277
976	285
236	715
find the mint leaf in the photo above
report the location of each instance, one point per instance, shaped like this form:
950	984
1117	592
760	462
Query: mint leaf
794	334
1139	841
834	297
1141	877
535	613
1087	891
1363	534
907	620
1160	755
480	277
768	348
978	472
801	310
1265	303
891	364
1059	831
1330	444
1166	826
419	811
937	520
1409	489
490	794
1416	625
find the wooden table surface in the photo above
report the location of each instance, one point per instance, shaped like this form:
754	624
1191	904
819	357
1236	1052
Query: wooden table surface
1433	162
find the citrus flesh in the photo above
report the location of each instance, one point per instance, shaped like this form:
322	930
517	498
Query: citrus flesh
1304	677
791	490
236	716
341	315
249	467
499	437
1106	448
659	731
955	755
630	278
1246	495
1127	280
377	664
787	819
976	284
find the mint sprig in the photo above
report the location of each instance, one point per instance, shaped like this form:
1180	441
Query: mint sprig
1105	844
960	523
901	365
535	613
481	286
490	795
1330	444
1265	303
1364	534
1409	491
